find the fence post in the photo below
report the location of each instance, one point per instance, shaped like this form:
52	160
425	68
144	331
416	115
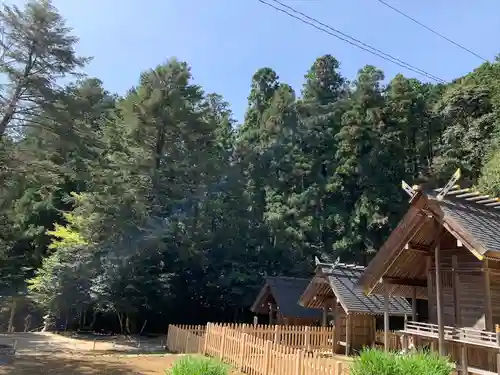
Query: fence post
338	368
299	362
267	357
222	343
176	339
242	351
188	334
205	341
276	334
307	339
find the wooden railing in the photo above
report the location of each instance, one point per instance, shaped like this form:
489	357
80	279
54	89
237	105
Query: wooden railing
461	335
251	354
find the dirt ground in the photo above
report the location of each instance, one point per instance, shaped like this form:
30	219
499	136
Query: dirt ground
90	365
46	353
44	342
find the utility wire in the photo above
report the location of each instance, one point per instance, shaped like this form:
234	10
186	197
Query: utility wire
348	39
431	30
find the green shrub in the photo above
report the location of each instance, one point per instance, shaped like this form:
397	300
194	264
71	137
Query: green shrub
377	362
197	365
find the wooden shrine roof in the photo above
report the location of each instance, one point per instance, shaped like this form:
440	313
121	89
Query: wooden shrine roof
478	222
286	291
343	280
468	218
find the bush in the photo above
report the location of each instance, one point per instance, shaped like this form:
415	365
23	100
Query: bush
376	362
196	365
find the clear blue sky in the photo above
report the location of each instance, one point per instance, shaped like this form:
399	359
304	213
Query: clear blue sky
226	41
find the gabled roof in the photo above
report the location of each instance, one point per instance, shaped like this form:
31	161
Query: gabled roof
478	222
286	291
343	280
467	216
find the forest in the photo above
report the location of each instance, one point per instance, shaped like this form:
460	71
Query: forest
158	205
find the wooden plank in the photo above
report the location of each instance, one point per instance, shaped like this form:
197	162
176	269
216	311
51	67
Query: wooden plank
429	290
404	281
439	292
386	317
348	334
463	360
488	309
456	291
414	304
476	371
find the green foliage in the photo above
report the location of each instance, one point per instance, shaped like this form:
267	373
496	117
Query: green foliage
377	362
489	182
195	365
156	204
37	50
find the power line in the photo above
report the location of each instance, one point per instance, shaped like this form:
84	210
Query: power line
348	39
431	30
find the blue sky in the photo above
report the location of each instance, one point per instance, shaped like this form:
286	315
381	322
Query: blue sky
226	41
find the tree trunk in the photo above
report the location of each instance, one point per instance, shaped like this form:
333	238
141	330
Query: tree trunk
143	326
121	321
12	316
94	318
127	325
11	108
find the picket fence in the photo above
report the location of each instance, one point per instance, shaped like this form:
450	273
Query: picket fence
260	351
299	337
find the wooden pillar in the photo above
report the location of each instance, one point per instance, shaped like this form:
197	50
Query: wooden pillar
456	291
386	317
488	311
404	339
336	330
324	320
439	297
414	304
430	300
347	334
497	331
463	360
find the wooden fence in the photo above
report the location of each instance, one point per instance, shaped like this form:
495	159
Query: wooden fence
299	337
255	355
267	350
186	339
394	340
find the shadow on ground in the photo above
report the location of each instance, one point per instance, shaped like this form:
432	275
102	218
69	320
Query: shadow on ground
87	365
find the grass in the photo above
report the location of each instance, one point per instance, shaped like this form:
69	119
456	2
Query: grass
198	365
377	362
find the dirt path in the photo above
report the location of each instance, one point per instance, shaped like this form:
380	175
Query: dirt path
45	342
48	353
90	365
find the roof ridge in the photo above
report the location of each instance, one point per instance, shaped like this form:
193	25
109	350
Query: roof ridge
469	195
286	278
351	266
